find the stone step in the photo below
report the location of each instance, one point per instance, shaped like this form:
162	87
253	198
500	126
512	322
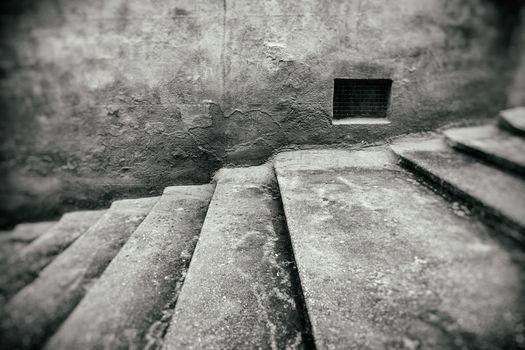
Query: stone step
142	281
386	263
11	242
491	144
37	310
513	120
499	197
25	266
26	232
238	292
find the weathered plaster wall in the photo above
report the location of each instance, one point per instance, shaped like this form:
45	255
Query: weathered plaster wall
517	88
106	98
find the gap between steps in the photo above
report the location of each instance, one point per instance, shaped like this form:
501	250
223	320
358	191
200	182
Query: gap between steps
154	337
285	245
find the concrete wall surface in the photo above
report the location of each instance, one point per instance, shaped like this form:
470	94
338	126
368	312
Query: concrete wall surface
109	98
517	88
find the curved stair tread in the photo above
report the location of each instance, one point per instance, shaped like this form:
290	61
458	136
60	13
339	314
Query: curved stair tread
142	280
25	266
37	310
11	242
27	232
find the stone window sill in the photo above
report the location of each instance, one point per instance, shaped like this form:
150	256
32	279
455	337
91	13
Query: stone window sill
361	121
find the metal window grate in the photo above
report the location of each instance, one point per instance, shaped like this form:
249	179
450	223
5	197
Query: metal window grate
361	98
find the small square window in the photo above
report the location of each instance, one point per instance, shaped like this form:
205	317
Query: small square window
361	98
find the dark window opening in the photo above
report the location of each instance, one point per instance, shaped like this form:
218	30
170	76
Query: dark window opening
361	98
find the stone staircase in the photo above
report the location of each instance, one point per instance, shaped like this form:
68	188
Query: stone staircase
418	244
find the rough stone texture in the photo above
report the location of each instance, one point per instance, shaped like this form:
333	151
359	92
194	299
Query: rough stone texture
387	264
25	266
514	120
105	98
142	280
500	195
238	290
491	144
11	242
35	312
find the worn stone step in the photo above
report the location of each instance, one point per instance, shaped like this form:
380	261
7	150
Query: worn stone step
37	310
498	196
11	242
513	120
238	292
491	144
25	266
386	263
27	232
142	281
14	240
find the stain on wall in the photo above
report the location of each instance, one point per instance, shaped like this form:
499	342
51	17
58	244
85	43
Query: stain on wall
104	99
